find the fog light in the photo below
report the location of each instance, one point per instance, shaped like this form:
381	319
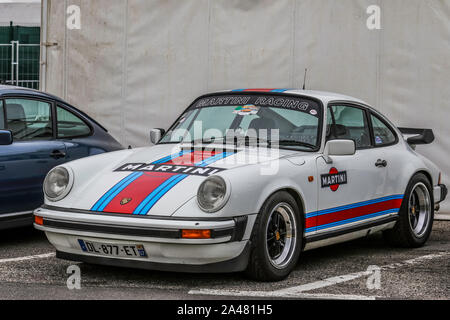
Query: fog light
196	234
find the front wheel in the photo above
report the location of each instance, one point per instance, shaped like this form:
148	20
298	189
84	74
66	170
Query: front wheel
276	239
416	215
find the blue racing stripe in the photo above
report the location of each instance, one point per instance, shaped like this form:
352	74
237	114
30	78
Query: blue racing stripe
152	201
214	159
118	190
338	223
158	193
112	190
352	206
153	194
100	204
174	156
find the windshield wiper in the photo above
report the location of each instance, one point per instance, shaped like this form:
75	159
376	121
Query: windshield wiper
296	143
248	140
231	140
204	141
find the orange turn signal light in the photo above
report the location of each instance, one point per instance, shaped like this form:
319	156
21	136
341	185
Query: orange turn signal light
196	234
39	220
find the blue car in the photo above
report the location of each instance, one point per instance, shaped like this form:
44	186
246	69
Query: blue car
39	131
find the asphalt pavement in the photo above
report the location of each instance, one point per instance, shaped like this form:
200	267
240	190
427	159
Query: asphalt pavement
361	269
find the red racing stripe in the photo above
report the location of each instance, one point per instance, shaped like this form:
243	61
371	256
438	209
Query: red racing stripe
352	213
192	158
259	90
137	191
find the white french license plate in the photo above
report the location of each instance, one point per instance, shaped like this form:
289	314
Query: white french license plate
113	250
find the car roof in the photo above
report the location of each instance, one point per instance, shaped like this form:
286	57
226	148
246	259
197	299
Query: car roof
6	90
321	95
324	96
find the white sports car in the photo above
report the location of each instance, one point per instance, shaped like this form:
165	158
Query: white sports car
246	180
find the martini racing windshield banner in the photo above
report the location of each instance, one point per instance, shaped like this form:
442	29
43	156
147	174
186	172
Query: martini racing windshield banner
283	102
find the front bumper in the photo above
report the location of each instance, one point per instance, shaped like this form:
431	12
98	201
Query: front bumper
226	250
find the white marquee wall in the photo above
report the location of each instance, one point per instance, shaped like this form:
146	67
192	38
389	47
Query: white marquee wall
135	64
25	13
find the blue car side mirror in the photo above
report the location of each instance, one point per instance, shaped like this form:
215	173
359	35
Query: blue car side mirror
6	137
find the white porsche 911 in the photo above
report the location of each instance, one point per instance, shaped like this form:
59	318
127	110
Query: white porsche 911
246	180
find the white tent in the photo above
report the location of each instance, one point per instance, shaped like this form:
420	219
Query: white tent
136	64
25	13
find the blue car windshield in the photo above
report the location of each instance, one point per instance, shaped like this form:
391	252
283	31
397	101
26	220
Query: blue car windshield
280	120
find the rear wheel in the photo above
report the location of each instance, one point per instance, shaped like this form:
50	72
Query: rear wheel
416	215
276	239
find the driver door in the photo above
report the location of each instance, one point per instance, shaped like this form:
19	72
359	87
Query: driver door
349	184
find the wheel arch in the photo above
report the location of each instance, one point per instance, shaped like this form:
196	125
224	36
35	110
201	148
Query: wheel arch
426	174
300	203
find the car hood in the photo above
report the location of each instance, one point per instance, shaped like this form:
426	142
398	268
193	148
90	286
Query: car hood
155	180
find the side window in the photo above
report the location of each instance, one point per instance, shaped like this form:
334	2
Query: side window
2	116
69	125
29	119
383	135
350	123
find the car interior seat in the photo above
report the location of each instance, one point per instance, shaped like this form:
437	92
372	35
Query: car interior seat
16	119
263	124
338	131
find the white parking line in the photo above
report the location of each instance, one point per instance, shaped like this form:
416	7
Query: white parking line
442	217
277	294
299	291
20	259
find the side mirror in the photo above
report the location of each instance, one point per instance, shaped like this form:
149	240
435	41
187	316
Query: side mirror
6	138
156	135
339	148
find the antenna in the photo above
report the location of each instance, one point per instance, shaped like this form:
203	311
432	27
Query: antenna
304	79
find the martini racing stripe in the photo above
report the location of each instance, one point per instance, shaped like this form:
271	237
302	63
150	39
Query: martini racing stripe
154	197
111	194
339	223
157	194
101	204
261	90
333	217
148	188
354	205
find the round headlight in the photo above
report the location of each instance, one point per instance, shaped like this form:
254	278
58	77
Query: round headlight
212	194
56	184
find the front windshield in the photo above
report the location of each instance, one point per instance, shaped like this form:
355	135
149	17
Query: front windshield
285	121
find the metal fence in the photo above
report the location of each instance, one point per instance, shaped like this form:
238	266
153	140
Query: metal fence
19	64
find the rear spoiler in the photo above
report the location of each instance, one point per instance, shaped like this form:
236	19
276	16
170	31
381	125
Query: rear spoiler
419	136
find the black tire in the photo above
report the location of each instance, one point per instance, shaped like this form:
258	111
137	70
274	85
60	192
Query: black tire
403	234
261	267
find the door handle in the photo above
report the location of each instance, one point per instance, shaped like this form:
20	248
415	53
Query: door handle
381	163
57	154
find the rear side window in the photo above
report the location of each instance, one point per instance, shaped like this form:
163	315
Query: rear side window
29	119
383	135
349	123
69	125
2	116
